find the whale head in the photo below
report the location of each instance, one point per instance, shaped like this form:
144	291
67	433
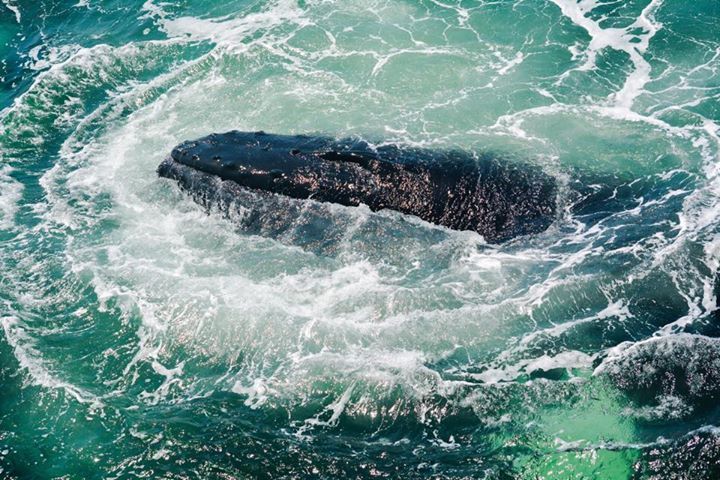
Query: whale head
248	158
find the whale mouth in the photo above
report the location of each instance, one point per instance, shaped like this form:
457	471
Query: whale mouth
455	189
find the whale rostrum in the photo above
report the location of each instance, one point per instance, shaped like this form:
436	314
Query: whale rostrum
457	189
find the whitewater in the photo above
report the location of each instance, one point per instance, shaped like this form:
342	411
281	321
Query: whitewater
147	336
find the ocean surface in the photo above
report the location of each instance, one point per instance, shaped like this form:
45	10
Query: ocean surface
142	336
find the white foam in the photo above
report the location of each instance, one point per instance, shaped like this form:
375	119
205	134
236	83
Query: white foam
258	393
622	39
10	5
30	359
10	194
153	10
42	57
229	31
512	63
569	359
616	309
336	409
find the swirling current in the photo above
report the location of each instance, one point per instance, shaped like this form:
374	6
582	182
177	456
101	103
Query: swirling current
145	337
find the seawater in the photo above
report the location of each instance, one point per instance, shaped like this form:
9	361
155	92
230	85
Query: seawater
145	338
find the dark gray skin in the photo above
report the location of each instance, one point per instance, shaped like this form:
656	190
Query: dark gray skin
456	189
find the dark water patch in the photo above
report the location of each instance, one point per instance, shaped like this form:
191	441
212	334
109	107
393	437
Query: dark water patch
696	455
677	375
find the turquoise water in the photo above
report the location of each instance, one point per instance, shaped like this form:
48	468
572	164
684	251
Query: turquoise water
143	338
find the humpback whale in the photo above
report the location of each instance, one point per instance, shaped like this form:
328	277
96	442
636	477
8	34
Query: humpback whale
453	188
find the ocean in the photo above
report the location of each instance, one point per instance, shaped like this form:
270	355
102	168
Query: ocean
146	336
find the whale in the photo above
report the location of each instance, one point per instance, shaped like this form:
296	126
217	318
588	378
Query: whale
461	190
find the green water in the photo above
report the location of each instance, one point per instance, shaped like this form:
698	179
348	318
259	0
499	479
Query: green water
143	338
